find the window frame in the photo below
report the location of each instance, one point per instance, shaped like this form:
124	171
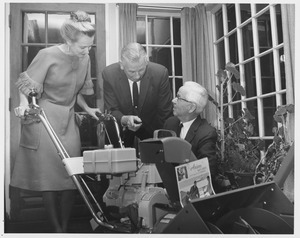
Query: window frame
279	93
163	12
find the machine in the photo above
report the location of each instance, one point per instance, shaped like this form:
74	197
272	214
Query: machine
144	192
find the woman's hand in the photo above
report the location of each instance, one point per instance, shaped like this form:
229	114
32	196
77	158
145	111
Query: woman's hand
20	111
92	112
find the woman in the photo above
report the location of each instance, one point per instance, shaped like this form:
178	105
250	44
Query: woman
60	75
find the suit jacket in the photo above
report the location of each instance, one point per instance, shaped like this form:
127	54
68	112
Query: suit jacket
202	137
155	98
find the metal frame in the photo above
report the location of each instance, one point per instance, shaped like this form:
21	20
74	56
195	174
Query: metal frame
38	112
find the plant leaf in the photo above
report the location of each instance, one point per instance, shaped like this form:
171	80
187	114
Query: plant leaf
277	139
221	74
290	108
277	118
281	110
248	115
238	88
231	68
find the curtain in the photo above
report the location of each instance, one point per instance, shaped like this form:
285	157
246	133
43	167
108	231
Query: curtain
127	23
288	27
197	56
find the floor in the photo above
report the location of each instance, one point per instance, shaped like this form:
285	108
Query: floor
29	216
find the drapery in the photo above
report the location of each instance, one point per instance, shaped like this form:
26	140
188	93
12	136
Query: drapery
196	53
127	23
288	27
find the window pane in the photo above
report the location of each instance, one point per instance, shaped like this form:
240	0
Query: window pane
269	107
282	70
264	32
176	31
221	55
279	24
219	24
29	52
178	84
54	23
248	41
260	7
252	108
267	74
92	54
141	30
250	81
231	17
237	110
245	12
159	31
33	28
178	61
161	56
233	48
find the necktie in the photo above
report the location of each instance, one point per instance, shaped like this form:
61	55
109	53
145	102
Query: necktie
179	129
135	95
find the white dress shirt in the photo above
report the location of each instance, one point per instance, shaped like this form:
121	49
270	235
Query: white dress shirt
130	86
185	128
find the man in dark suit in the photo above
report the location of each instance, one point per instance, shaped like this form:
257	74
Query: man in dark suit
141	112
194	191
190	101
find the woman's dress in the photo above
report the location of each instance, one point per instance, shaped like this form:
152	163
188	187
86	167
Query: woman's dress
58	78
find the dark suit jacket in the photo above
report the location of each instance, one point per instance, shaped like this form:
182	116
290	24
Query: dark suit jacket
202	137
155	98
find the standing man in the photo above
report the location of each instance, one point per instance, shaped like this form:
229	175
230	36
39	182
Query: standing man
137	93
194	191
190	101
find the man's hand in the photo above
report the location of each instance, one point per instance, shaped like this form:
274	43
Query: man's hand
133	123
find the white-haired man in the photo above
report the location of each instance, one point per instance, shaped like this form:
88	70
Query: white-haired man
190	101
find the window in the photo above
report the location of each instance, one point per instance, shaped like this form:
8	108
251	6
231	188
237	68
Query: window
250	36
159	33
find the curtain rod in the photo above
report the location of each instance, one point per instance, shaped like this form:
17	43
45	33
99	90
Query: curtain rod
160	7
157	7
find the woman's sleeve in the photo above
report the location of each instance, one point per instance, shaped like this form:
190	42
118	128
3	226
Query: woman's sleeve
25	84
34	76
88	86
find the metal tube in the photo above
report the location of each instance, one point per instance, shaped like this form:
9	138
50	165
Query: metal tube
93	197
118	132
63	154
87	202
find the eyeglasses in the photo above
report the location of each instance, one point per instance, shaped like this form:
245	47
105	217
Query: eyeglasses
182	99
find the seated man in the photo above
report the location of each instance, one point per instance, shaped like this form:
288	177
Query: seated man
190	101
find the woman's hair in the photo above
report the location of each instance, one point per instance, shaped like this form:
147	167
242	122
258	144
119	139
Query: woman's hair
197	94
78	23
133	52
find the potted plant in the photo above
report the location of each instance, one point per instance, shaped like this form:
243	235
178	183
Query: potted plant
238	154
276	152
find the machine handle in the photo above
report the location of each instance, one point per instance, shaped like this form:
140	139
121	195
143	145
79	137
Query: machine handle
156	133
